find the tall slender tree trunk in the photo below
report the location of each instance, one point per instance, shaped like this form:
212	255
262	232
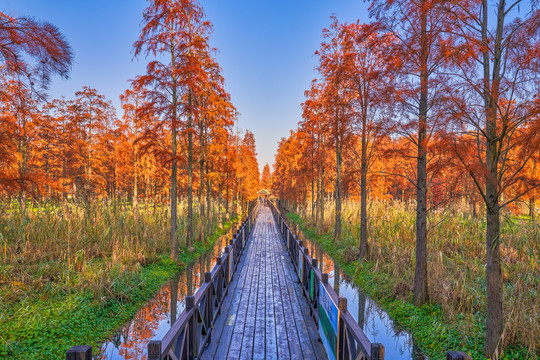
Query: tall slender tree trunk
494	311
323	194
362	309
135	185
202	211
337	277
174	197
227	199
420	293
208	201
337	229
531	207
363	192
312	198
173	288
317	206
189	235
219	205
174	164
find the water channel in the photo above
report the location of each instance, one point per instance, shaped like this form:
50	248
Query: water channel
375	322
155	318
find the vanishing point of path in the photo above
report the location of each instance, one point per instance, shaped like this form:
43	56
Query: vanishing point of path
265	315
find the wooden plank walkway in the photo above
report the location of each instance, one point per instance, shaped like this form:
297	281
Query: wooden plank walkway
265	315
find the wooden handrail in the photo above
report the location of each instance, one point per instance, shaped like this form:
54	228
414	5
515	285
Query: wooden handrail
191	332
352	342
345	338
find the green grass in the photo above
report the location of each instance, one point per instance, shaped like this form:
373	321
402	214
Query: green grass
85	294
455	318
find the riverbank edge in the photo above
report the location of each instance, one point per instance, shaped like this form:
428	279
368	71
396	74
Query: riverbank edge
80	319
433	335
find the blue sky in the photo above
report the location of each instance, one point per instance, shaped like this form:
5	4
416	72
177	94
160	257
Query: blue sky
265	49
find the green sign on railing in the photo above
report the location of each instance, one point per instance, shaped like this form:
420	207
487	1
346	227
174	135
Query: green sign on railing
311	283
328	322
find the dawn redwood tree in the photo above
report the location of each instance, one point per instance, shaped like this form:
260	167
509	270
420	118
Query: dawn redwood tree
496	66
368	68
213	114
419	29
313	114
175	32
33	49
336	102
30	51
266	177
248	171
93	117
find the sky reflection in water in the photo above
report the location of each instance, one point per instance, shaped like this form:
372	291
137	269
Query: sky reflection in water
154	319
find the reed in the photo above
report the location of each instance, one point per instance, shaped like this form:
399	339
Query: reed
73	273
72	247
456	245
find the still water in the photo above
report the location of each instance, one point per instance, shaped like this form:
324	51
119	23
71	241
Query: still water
154	319
378	327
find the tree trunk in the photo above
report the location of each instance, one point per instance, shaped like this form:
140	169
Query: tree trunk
337	278
420	294
313	199
362	308
189	235
323	194
337	229
173	287
531	207
135	186
219	206
318	201
208	202
202	210
174	197
363	193
494	310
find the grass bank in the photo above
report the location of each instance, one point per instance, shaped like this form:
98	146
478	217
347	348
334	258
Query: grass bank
455	317
73	275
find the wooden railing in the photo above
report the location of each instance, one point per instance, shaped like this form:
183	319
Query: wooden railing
351	342
192	331
341	335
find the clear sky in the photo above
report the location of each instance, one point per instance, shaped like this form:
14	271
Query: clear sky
265	49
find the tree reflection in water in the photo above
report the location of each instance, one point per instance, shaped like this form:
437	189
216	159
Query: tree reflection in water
376	324
156	317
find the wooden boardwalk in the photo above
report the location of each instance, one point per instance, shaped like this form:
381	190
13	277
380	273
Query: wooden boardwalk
265	315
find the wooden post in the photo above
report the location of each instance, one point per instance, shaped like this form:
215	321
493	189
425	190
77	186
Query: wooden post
207	277
342	304
377	351
325	278
79	352
192	328
190	302
154	349
314	263
227	270
457	355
